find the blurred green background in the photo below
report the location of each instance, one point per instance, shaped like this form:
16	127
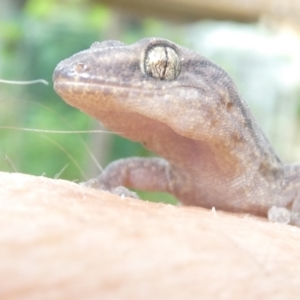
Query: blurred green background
36	35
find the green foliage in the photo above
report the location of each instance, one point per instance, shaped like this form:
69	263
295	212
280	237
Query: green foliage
31	49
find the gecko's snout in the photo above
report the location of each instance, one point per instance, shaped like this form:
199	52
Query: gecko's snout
66	71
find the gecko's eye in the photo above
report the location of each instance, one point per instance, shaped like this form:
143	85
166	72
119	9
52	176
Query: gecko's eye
162	62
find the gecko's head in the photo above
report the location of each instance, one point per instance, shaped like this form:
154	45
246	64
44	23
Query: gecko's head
150	64
153	78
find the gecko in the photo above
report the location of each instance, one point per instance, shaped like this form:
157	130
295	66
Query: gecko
188	111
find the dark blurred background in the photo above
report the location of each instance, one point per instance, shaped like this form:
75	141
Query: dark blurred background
256	42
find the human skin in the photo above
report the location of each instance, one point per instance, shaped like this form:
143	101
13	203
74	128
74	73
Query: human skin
65	241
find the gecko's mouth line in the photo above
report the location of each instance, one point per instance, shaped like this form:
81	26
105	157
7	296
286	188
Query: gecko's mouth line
86	85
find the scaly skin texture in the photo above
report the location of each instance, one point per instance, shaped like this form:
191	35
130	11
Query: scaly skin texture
187	110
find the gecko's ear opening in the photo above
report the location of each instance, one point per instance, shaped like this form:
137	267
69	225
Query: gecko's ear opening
161	62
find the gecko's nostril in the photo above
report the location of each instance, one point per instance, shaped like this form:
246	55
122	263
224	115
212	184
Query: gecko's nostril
80	67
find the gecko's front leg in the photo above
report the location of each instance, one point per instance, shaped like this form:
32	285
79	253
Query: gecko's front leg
148	174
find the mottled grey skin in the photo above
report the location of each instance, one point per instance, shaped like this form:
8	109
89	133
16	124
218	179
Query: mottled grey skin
214	154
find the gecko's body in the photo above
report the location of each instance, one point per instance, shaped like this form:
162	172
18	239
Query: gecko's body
187	110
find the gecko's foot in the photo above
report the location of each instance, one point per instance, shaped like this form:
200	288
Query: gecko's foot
124	192
295	218
119	190
279	215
